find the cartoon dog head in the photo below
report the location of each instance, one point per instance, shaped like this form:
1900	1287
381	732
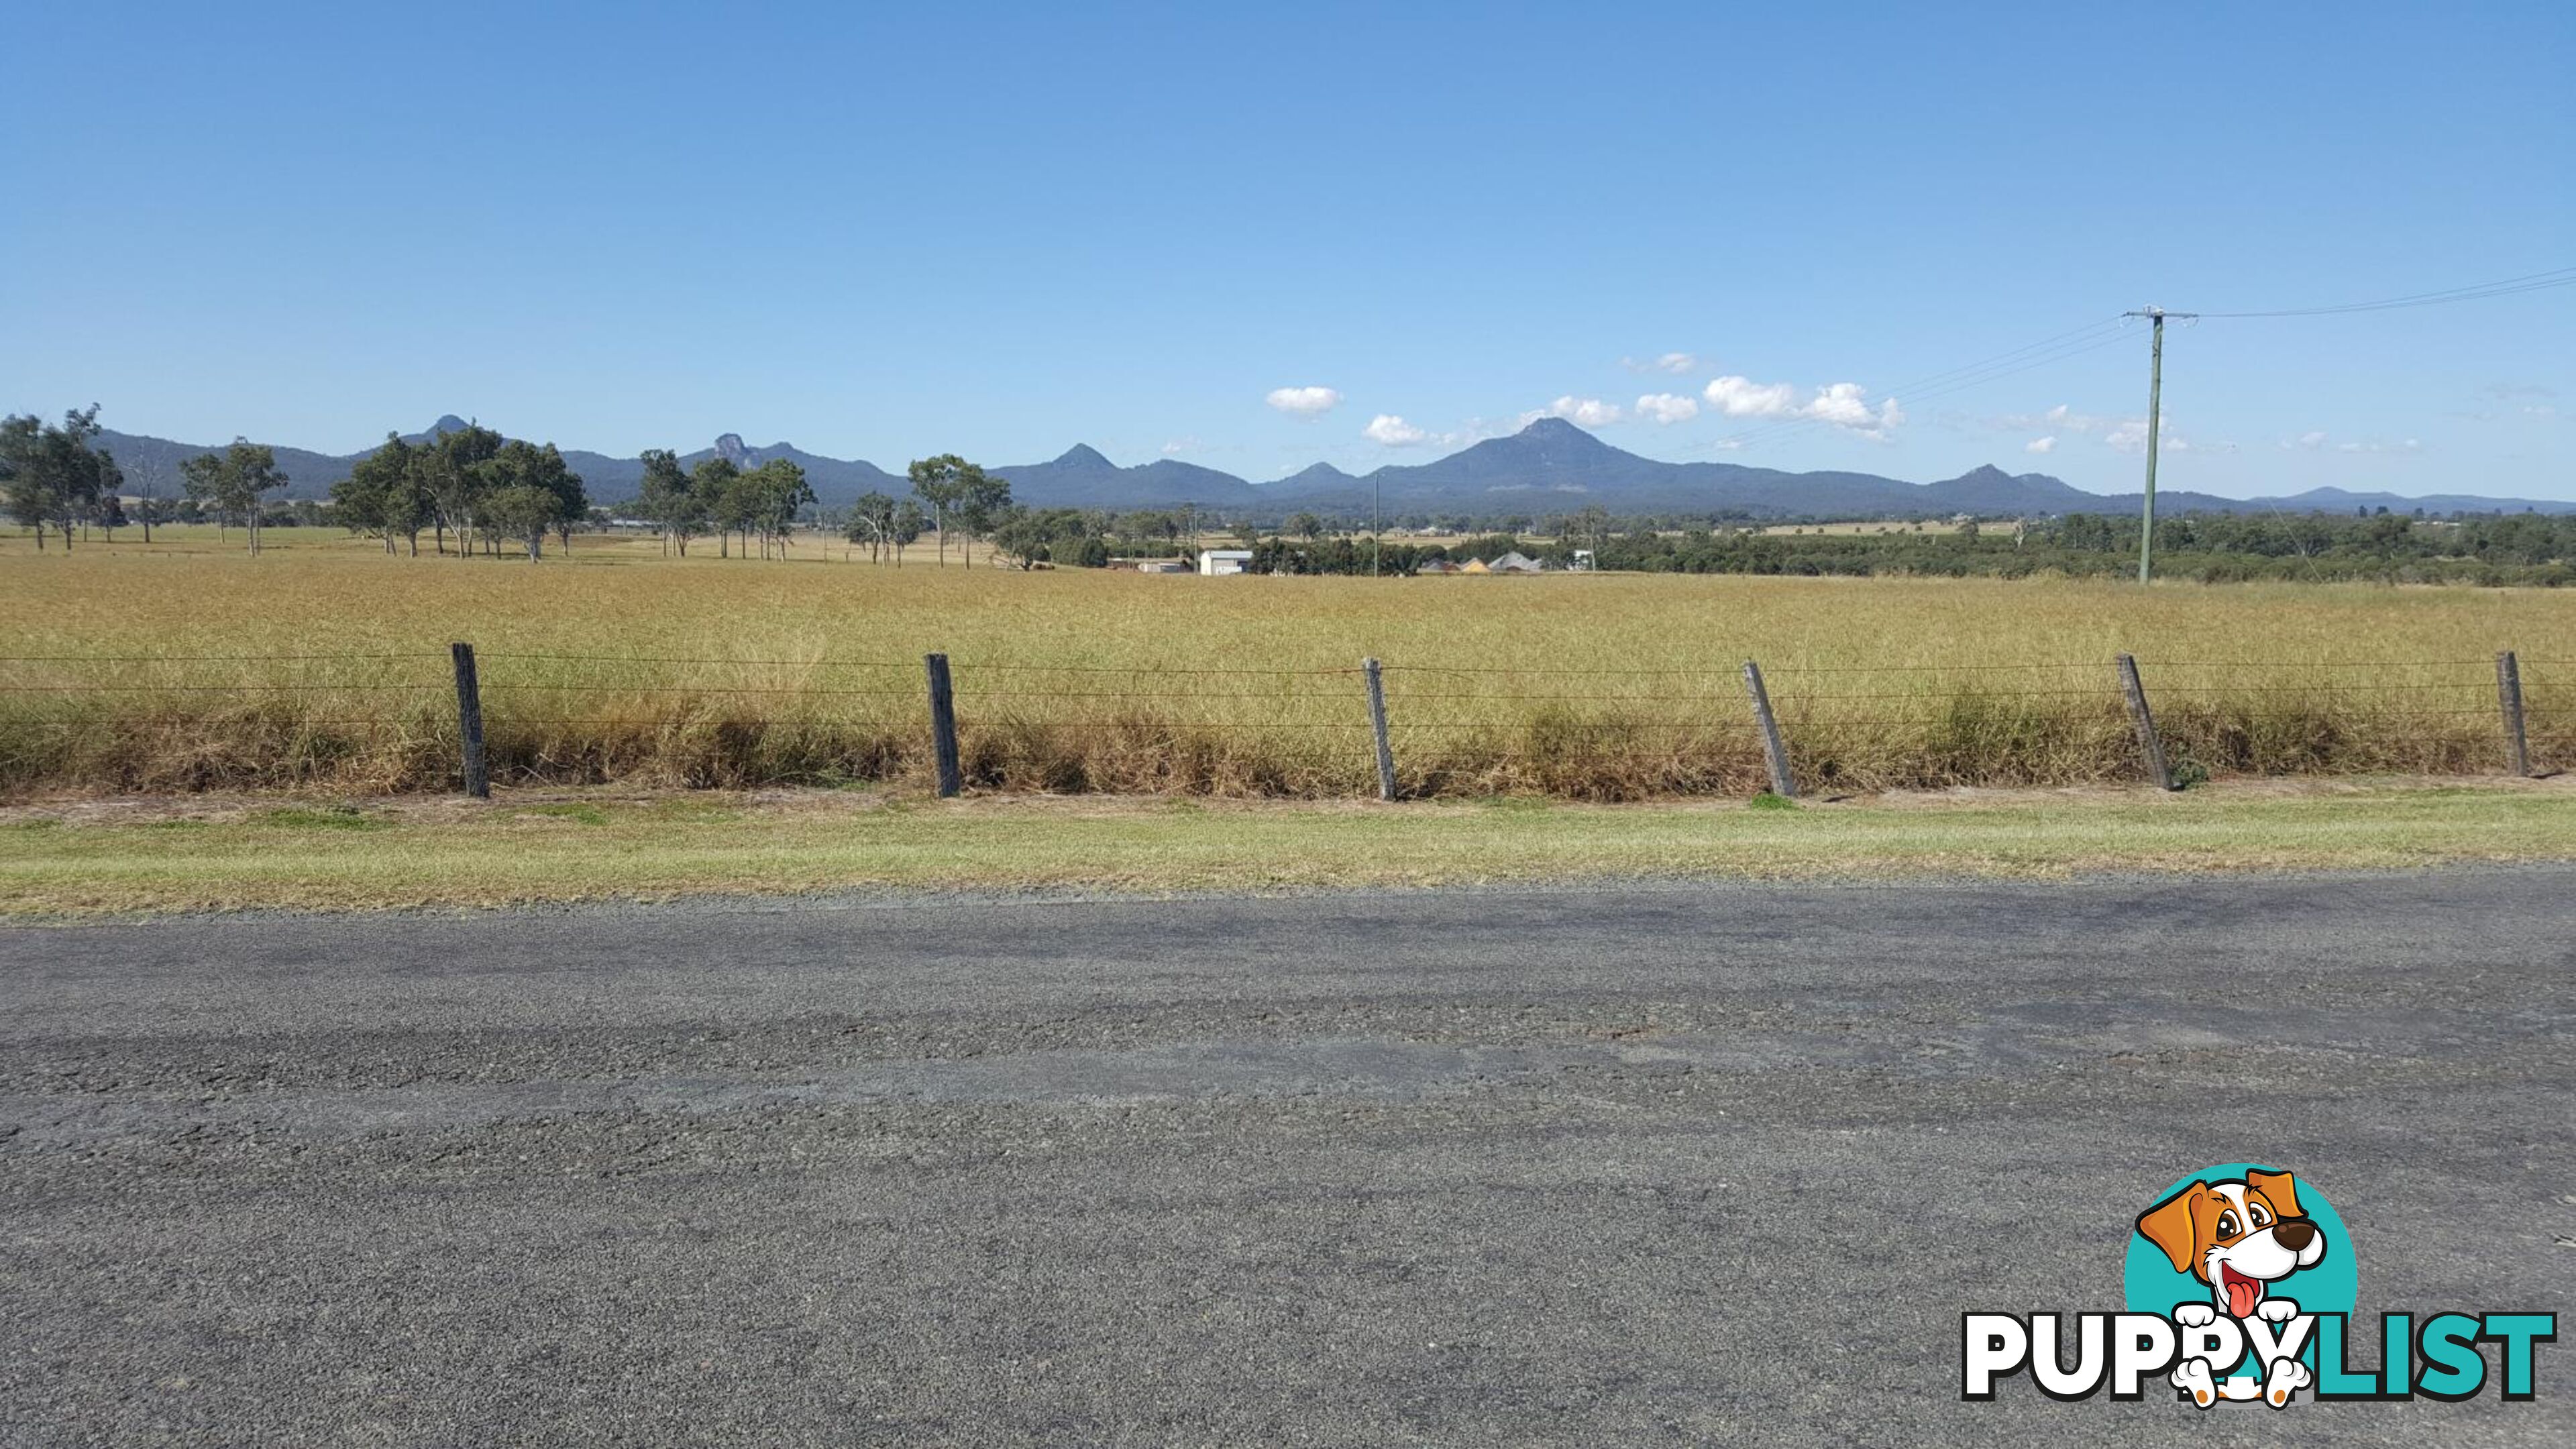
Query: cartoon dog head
2236	1236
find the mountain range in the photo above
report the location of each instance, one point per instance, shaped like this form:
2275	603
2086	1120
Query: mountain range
1551	466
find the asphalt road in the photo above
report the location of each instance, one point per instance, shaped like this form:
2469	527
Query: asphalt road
1604	1167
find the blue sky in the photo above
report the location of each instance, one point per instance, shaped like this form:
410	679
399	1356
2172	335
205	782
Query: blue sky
1000	230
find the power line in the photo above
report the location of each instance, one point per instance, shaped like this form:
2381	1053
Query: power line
2509	286
2092	336
2063	346
2002	357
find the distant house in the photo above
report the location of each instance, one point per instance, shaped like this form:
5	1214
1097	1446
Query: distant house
1162	566
1515	563
1224	560
1438	566
1475	566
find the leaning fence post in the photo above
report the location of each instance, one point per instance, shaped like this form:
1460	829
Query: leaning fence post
1775	750
943	725
2149	745
2517	745
1377	725
469	720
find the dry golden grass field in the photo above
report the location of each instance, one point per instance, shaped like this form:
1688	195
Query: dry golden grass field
187	666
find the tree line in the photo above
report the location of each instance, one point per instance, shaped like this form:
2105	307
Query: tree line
471	484
54	476
50	476
2496	549
722	497
482	490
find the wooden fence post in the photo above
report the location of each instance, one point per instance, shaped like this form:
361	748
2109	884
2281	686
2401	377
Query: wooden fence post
1775	750
2149	744
2517	745
943	725
1377	726
469	720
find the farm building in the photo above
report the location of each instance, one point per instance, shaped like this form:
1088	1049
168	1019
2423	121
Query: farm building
1515	563
1437	566
1224	560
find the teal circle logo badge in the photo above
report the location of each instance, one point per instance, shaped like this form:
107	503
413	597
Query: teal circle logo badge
2241	1241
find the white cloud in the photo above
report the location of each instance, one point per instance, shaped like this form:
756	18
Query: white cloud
2062	416
1394	432
2040	445
2312	440
1177	446
1667	408
1726	445
1846	405
2410	445
2129	435
1304	402
1588	412
1740	397
1843	405
2059	419
1675	363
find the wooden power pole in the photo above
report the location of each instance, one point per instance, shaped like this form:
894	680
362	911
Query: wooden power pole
2155	431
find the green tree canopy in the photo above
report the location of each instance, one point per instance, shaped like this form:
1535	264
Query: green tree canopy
385	494
49	474
669	499
235	482
517	465
961	497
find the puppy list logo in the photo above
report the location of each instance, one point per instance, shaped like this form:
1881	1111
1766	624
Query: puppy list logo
2241	1283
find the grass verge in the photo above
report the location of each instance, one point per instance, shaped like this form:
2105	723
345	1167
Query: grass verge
158	856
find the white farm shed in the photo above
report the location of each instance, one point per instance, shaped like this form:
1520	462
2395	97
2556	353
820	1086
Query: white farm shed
1224	560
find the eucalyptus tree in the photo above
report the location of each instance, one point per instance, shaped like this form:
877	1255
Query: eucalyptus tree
910	523
667	499
384	494
49	472
871	520
541	471
711	485
961	497
766	500
237	480
455	478
983	502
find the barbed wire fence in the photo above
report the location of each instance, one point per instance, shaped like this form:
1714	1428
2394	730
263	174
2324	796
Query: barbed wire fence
429	719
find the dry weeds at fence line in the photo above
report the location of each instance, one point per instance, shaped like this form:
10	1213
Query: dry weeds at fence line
386	722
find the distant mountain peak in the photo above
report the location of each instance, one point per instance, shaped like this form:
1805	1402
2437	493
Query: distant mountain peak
1985	473
448	423
1317	474
1083	455
1556	440
729	446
